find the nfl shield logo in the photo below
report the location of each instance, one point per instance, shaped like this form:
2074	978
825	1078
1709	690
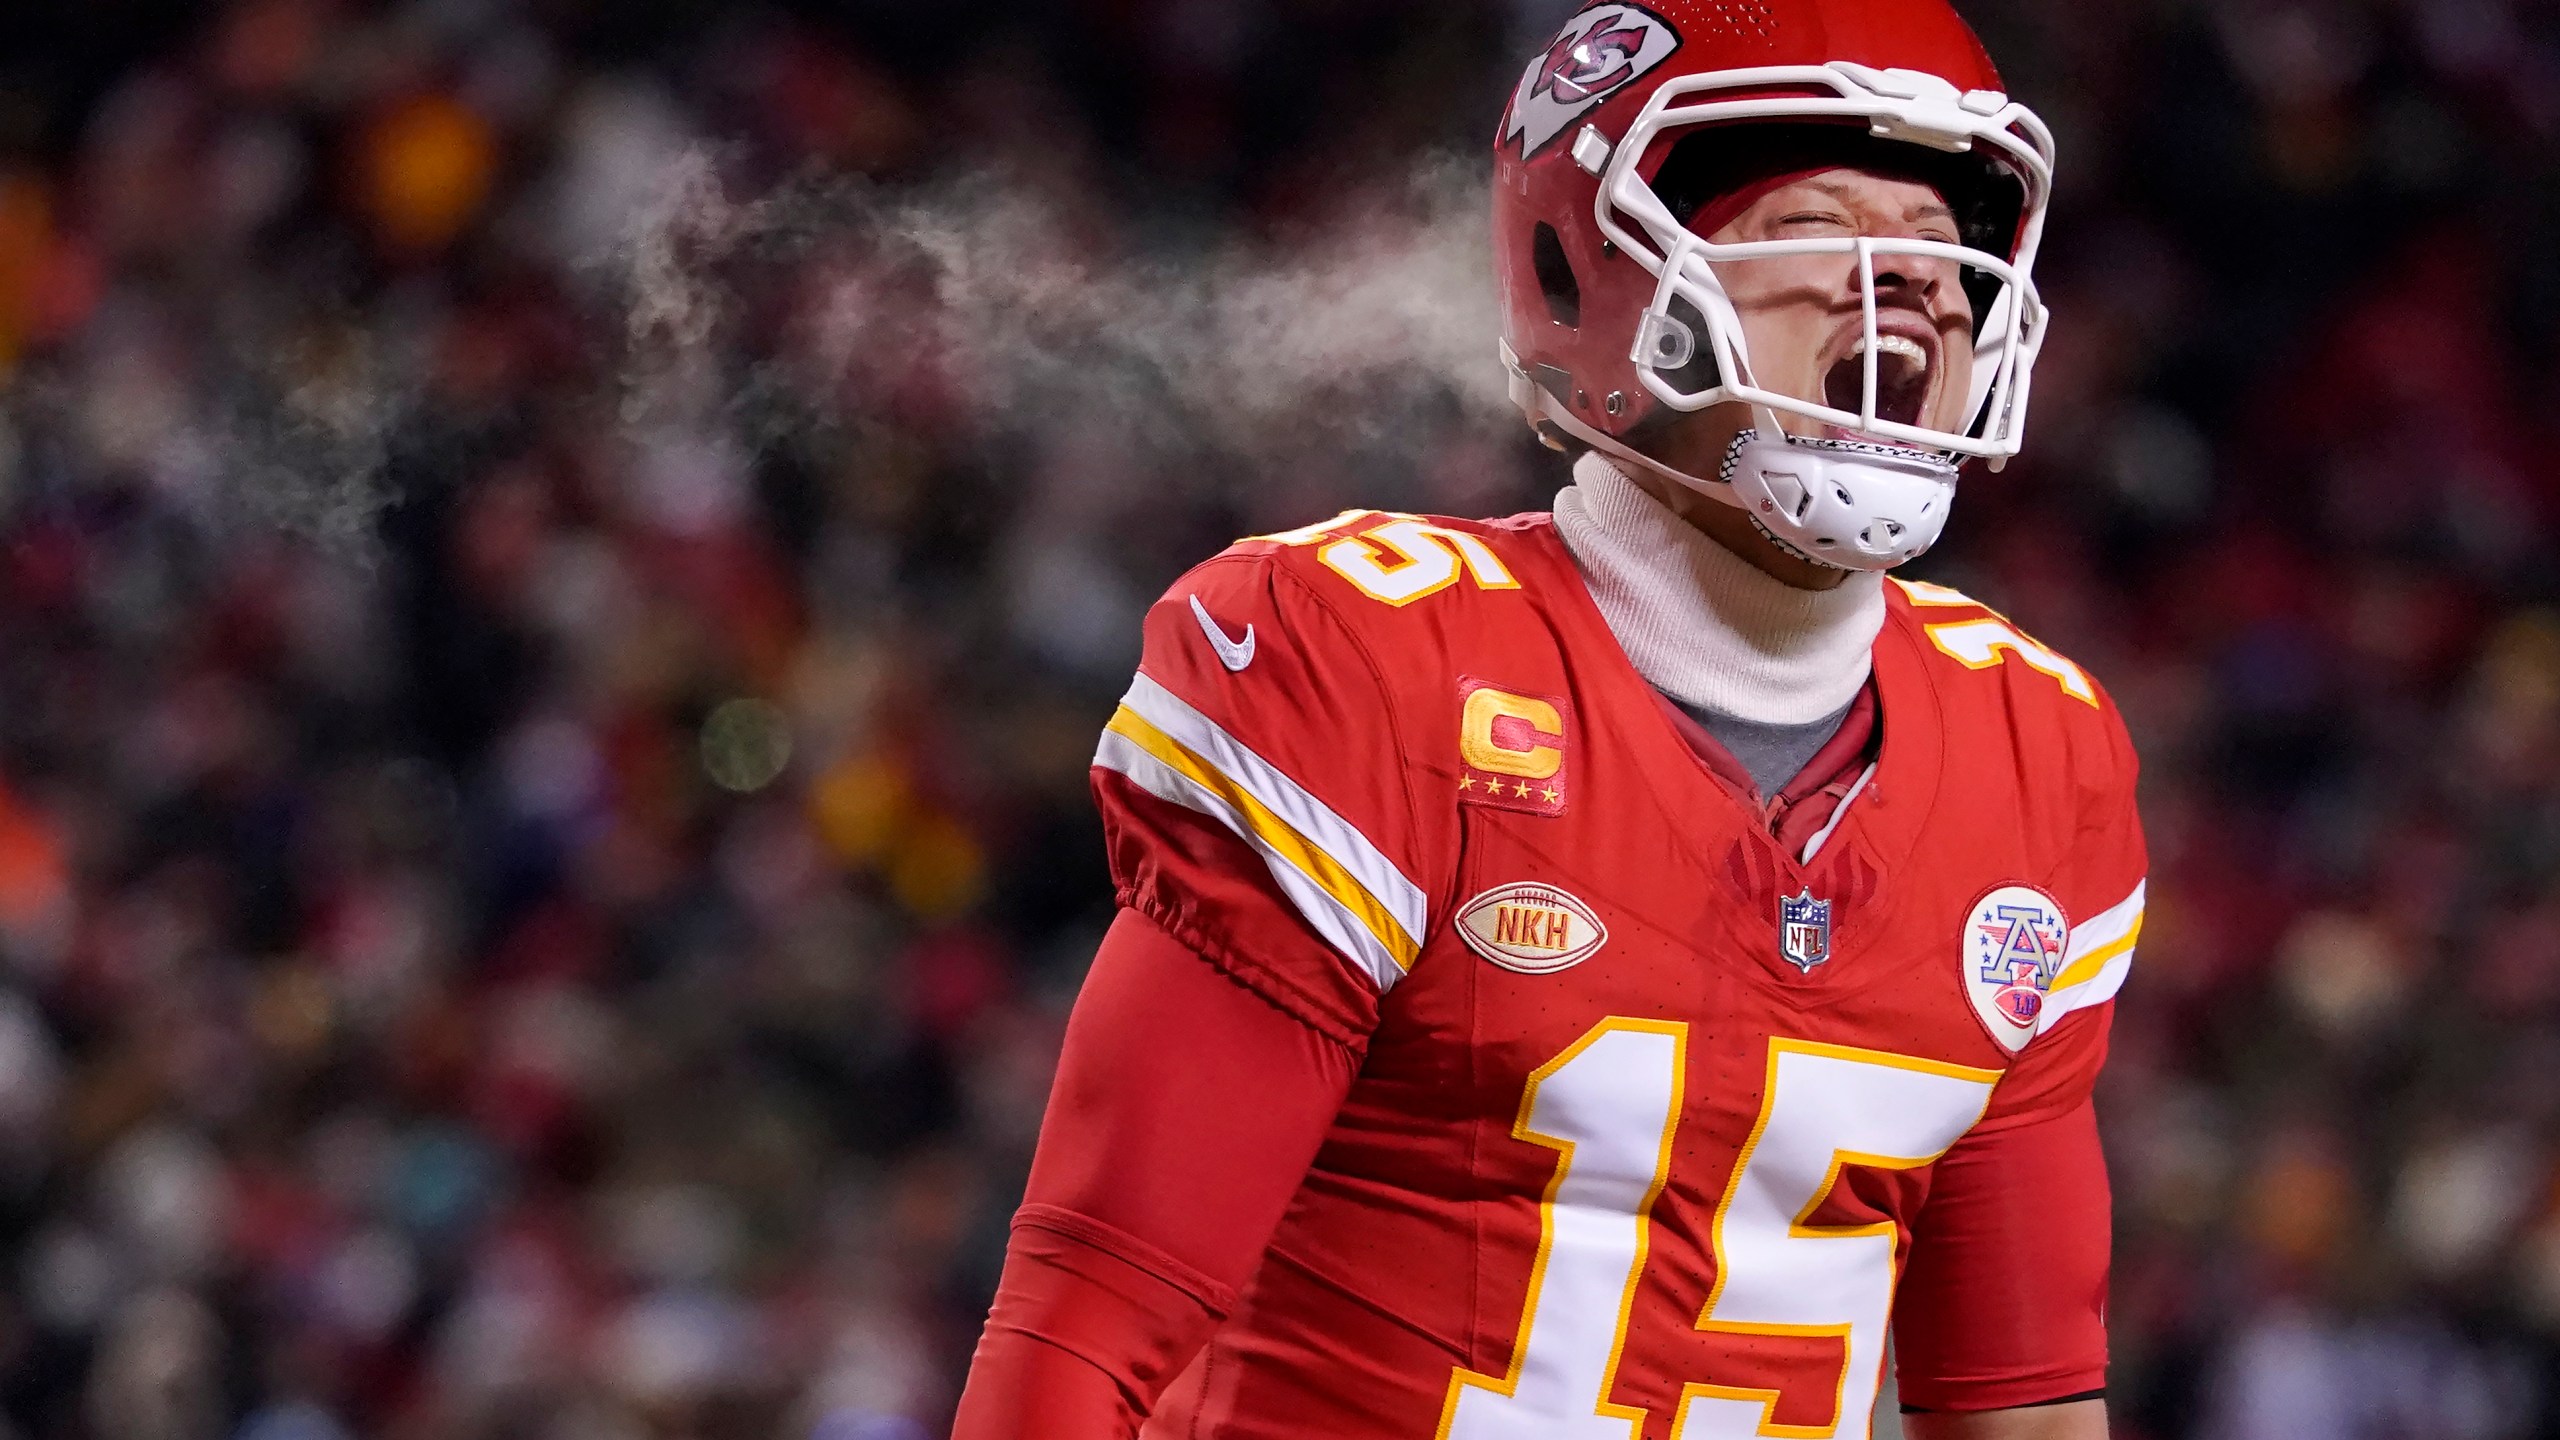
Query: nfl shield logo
1804	930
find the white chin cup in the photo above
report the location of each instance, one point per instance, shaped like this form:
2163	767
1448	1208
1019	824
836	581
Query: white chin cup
1840	502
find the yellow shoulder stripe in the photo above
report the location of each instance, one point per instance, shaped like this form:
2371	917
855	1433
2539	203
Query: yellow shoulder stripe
1273	834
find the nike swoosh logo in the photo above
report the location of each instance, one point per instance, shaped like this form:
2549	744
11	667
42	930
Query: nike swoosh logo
1234	654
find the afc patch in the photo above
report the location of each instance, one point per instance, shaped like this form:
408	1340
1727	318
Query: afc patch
1513	748
2011	950
1531	929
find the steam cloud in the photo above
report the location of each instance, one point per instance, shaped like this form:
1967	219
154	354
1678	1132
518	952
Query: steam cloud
730	320
1335	331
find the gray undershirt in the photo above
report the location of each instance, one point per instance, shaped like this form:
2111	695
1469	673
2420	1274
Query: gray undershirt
1774	754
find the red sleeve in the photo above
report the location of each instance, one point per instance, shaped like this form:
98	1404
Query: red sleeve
2100	886
2004	1301
1254	796
1154	1191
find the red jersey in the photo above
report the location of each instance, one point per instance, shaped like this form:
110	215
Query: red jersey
1649	1107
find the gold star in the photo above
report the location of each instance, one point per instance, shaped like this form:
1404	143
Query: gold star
1552	794
1466	782
1523	790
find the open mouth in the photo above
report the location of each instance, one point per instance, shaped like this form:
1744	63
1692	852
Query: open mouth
1902	379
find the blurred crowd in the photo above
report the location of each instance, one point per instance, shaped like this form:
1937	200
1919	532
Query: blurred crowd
543	837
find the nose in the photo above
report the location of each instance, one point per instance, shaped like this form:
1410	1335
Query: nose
1912	279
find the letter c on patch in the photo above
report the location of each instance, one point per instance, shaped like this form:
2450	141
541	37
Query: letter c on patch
1511	734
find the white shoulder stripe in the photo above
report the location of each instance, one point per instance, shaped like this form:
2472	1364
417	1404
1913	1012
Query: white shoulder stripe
1333	920
2098	990
2108	926
2097	959
1344	885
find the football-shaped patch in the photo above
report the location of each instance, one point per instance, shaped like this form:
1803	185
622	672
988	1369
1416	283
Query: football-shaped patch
2012	949
1533	929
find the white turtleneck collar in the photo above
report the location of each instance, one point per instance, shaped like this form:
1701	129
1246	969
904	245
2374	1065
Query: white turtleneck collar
1702	624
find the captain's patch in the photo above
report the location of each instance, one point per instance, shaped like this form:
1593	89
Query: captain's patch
1512	747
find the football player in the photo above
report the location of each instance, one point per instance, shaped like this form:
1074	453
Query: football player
1602	973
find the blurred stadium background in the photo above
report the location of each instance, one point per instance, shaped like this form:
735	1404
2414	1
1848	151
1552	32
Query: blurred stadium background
560	563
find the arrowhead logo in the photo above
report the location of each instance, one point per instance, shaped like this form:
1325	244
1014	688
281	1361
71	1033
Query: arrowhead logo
1601	51
1234	654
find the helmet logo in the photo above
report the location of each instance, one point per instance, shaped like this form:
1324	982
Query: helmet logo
1601	51
1581	68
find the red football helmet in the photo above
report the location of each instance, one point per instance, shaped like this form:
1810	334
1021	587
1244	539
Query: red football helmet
1638	117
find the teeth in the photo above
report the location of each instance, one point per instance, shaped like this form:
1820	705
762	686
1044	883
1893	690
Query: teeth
1902	345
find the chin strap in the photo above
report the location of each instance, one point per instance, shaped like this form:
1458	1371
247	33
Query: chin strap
1546	412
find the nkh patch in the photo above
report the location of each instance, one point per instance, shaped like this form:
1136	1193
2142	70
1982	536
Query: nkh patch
1804	930
1513	748
1533	929
2012	949
1601	51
